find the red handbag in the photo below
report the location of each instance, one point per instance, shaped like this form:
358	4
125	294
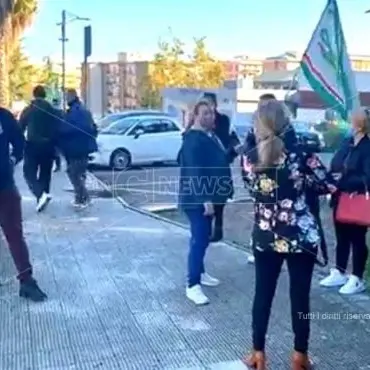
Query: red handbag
354	209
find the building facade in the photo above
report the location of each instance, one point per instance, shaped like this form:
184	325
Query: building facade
115	86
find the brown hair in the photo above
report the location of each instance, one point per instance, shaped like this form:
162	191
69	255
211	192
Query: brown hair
270	121
195	112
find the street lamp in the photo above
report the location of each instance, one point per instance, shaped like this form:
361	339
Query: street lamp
66	18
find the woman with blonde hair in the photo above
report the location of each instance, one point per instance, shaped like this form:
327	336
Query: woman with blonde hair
284	230
351	166
205	180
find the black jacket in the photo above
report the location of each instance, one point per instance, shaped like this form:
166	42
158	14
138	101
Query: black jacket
77	133
223	131
205	173
41	120
352	163
10	135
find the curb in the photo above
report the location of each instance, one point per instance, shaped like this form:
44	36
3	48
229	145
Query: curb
160	218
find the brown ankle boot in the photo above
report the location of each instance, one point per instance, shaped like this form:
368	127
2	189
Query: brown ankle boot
256	360
301	361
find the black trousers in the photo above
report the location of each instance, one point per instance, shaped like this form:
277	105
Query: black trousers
268	266
351	237
218	220
76	169
37	167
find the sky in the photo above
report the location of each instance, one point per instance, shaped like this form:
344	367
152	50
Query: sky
232	27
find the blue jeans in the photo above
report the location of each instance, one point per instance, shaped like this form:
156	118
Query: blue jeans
200	229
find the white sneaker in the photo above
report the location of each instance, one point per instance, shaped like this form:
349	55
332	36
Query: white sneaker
353	285
335	279
196	295
43	202
251	259
208	280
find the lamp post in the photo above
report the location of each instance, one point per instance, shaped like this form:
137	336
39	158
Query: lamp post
66	18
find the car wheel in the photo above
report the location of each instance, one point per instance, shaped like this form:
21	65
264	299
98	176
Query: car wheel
120	159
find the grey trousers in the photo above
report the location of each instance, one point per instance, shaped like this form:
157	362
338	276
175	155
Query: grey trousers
76	170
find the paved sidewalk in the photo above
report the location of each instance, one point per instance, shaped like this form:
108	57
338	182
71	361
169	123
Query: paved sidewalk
115	279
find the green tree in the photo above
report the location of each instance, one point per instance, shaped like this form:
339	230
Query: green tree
171	68
16	15
47	75
204	71
20	76
149	95
49	78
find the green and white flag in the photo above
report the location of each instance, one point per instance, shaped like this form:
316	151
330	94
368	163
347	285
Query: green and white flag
326	64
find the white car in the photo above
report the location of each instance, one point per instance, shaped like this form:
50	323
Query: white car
138	140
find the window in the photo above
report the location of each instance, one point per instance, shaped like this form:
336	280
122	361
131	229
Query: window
150	126
120	127
156	126
168	126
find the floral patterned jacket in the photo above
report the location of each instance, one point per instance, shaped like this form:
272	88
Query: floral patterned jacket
282	220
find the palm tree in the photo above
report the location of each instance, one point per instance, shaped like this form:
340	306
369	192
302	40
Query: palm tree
5	10
18	15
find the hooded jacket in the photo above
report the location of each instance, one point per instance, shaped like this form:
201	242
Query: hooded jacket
41	120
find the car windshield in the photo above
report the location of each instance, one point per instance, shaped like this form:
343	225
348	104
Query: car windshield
108	120
120	127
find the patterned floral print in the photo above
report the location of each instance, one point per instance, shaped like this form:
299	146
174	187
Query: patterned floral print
283	222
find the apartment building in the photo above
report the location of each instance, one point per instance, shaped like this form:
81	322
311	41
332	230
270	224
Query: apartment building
290	60
242	66
115	86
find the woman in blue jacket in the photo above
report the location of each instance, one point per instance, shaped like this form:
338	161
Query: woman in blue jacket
205	180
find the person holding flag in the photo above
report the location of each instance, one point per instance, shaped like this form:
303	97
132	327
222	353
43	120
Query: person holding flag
327	68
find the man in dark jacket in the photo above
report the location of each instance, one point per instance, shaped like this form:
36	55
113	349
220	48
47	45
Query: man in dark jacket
41	121
76	140
229	141
10	205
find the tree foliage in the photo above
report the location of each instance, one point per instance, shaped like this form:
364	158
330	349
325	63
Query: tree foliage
18	15
171	67
204	71
21	75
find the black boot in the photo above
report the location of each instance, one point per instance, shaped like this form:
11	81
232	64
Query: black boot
29	289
